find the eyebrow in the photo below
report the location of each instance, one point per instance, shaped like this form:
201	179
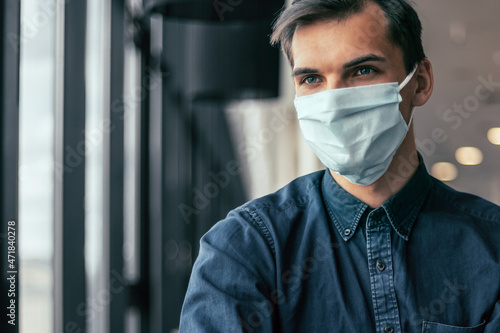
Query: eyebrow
363	59
304	70
352	63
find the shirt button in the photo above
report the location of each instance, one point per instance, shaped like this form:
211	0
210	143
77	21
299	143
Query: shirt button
347	232
380	266
389	329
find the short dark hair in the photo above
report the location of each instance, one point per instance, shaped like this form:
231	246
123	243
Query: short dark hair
404	26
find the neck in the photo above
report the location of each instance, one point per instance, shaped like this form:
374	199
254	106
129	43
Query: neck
401	170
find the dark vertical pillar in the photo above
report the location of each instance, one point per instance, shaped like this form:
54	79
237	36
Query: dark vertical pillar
9	162
114	170
176	184
156	140
69	263
143	291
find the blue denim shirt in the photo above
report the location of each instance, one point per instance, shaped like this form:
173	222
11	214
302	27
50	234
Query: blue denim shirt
313	258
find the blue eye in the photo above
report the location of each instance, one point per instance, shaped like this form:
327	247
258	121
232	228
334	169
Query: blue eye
364	71
310	80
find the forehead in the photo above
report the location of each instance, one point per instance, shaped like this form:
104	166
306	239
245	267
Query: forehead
341	40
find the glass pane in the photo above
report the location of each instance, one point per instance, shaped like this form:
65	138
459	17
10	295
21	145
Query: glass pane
131	162
97	60
36	185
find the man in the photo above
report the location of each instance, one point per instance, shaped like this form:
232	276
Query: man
372	244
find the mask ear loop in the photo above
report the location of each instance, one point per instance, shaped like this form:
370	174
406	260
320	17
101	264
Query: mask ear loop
411	117
402	85
407	79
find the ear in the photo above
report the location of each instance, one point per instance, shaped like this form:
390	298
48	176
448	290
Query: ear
425	79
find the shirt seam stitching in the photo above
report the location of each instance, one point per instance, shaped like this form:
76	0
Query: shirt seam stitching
258	221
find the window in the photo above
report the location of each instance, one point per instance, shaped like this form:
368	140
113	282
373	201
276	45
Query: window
36	160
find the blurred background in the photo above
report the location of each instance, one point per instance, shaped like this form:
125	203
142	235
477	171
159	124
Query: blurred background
143	122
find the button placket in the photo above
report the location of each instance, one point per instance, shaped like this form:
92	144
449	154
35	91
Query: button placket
379	247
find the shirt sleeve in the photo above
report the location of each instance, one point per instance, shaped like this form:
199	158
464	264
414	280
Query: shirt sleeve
231	285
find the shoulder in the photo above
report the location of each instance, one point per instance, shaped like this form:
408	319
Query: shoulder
465	204
274	213
296	193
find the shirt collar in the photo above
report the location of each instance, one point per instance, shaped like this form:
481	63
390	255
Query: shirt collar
402	209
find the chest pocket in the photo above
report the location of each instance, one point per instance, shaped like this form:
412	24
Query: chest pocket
429	327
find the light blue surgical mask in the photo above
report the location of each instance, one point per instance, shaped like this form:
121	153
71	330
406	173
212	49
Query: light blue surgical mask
356	131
